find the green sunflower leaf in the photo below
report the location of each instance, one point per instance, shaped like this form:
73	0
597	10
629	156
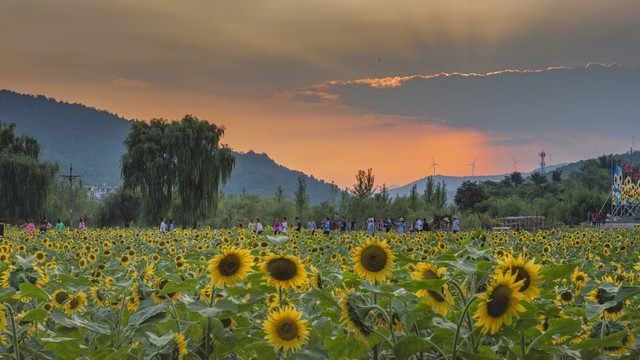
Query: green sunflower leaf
557	272
345	347
187	285
78	281
36	315
409	345
625	292
33	292
415	285
613	340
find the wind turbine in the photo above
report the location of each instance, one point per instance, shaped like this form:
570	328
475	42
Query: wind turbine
515	164
434	166
473	167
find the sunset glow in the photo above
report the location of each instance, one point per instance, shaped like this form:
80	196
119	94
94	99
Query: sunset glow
329	88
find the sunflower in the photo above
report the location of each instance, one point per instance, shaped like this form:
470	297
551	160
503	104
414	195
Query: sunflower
440	302
158	285
602	296
98	296
59	297
566	297
179	346
524	270
283	271
40	256
75	303
230	267
579	278
373	260
124	260
286	330
358	322
500	303
47	306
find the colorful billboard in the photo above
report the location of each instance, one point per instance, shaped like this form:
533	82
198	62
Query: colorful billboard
624	190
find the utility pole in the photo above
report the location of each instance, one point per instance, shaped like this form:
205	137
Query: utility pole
70	177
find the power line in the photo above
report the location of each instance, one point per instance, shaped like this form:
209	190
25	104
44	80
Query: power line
70	177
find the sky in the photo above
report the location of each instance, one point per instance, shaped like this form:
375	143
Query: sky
331	87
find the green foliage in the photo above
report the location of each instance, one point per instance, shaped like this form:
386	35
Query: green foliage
468	195
184	156
24	182
120	208
301	197
365	184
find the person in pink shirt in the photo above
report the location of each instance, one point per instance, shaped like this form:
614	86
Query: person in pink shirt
31	227
82	225
276	227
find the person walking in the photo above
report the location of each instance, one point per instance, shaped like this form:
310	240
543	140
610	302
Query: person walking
59	226
455	227
401	226
163	226
276	227
82	225
353	224
298	224
371	226
283	225
171	225
311	225
327	227
259	227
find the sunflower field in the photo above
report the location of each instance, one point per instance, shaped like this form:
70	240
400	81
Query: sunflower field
229	294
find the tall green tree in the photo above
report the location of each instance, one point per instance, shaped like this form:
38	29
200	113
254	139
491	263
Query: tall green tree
25	183
186	156
365	184
468	195
148	166
202	165
301	197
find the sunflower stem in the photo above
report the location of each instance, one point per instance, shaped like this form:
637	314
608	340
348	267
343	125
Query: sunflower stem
14	332
462	317
523	347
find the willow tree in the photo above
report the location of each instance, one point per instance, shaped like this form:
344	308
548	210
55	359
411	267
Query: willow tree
147	166
186	157
202	164
24	182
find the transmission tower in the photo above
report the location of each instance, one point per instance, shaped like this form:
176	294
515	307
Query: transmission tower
70	177
542	155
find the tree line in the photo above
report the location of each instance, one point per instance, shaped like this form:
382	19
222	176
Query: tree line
174	169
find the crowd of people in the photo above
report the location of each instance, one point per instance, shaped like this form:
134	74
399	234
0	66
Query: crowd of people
340	224
44	225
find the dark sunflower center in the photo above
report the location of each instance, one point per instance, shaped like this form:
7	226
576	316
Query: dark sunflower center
603	296
566	296
282	269
61	297
580	278
437	297
373	258
499	301
429	275
74	303
229	265
287	331
522	274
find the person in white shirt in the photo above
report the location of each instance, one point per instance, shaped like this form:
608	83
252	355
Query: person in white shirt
456	225
418	225
283	225
163	226
259	227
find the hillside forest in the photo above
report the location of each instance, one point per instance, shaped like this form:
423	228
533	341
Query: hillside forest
560	199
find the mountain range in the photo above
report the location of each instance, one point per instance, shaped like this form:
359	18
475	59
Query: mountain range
92	141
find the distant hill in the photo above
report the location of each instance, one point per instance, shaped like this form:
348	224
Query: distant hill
454	182
93	139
